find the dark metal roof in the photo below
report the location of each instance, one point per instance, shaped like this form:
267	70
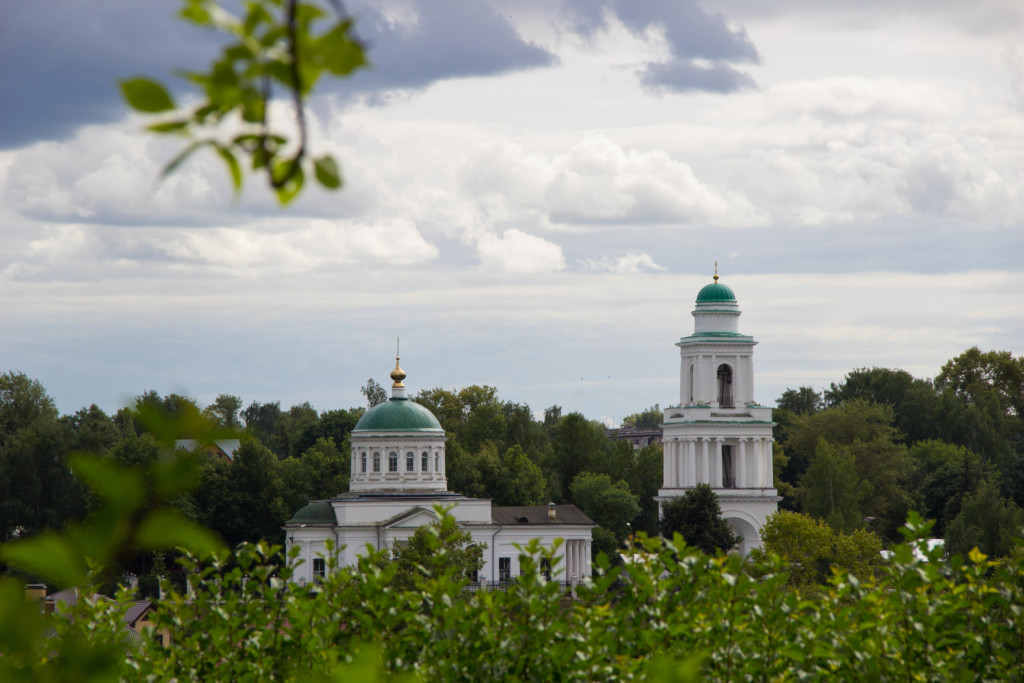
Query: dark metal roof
317	512
509	515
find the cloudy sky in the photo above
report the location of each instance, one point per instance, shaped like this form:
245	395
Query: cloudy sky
535	192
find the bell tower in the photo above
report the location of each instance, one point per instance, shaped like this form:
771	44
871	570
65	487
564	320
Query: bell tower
718	434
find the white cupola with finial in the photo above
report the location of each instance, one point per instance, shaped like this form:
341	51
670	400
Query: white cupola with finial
398	445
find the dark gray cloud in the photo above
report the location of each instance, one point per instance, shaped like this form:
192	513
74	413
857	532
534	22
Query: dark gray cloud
702	44
440	39
681	75
60	61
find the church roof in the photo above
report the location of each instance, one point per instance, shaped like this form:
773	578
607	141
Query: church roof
715	293
399	414
508	515
317	512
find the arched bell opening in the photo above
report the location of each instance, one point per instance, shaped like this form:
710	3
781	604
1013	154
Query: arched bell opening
725	399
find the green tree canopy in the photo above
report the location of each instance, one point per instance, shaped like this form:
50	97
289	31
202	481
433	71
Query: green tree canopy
811	548
830	488
433	550
375	394
578	447
519	481
697	517
987	521
863	430
225	411
648	419
800	401
610	504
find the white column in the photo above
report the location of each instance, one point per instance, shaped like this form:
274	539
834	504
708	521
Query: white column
700	379
684	375
666	465
741	476
768	473
716	464
757	463
705	473
677	458
669	466
713	378
691	462
750	374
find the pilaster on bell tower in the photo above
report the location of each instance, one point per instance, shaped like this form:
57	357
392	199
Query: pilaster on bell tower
718	434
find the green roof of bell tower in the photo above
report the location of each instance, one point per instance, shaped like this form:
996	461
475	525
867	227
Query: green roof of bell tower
715	293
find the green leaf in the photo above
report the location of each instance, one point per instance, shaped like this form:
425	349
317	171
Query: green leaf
233	166
290	178
195	13
340	54
120	487
327	172
49	555
167	528
174	163
146	95
176	473
168	127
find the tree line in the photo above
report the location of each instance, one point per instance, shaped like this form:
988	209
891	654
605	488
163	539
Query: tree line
859	455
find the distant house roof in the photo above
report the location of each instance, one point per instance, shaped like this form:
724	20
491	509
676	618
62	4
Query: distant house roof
61	600
222	447
138	609
509	515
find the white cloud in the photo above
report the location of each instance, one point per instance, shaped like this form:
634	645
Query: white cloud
111	174
597	180
630	263
319	243
517	252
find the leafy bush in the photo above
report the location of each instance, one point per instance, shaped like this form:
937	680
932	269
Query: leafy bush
673	613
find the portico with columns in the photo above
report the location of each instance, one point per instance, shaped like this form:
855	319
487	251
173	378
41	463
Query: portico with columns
718	434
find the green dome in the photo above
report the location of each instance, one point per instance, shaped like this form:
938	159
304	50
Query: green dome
398	415
715	293
317	512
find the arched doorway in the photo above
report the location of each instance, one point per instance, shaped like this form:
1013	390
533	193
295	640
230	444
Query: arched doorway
743	528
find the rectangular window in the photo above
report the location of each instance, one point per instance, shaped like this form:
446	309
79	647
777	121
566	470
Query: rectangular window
504	568
364	463
392	461
424	462
376	462
728	477
319	568
410	462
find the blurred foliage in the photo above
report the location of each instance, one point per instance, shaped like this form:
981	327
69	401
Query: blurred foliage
671	614
286	45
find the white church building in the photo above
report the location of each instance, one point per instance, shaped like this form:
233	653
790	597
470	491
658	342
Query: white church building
718	434
397	479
